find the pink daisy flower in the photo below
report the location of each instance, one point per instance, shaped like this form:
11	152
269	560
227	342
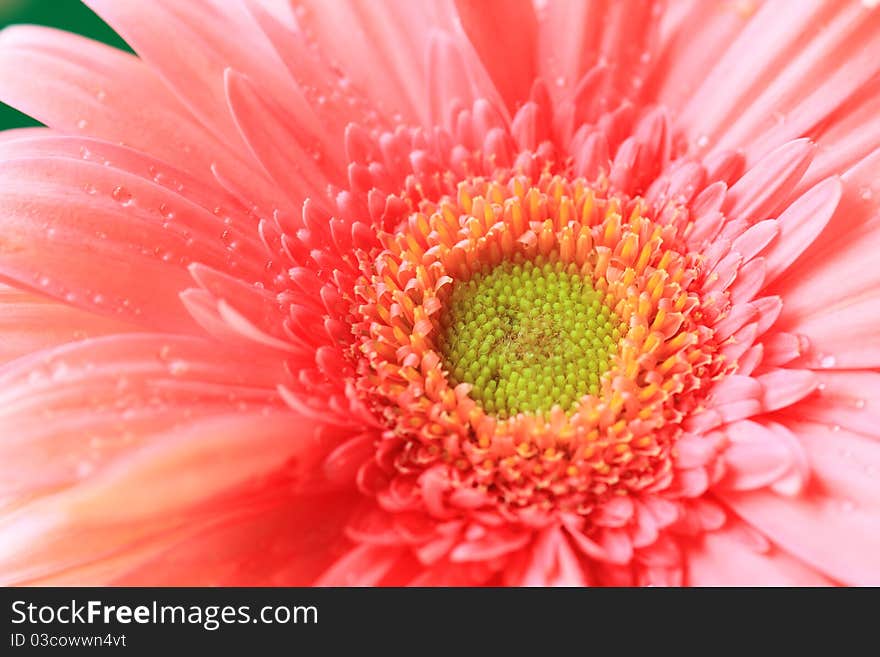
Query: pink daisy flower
443	293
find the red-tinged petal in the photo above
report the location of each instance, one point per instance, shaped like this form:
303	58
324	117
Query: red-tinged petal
364	565
504	35
493	544
281	541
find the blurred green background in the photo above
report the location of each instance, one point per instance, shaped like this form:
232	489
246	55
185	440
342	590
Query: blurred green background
70	15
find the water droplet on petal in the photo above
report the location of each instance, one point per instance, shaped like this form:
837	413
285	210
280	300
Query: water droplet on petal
166	211
178	367
121	195
827	361
82	124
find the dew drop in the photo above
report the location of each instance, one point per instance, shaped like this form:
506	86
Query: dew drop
702	141
121	195
166	211
178	367
859	403
827	361
82	124
101	95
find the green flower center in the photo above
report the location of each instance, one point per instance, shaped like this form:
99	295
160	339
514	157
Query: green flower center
528	336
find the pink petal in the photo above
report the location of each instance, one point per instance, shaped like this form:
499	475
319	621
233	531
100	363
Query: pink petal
194	69
784	387
831	62
800	224
849	400
67	223
76	409
574	35
835	525
720	559
504	34
151	494
762	48
79	86
277	140
232	548
764	187
29	323
387	36
758	455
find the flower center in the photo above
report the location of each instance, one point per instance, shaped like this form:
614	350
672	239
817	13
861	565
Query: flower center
535	344
528	336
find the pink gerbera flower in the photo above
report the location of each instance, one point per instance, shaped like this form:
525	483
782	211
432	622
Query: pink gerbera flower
441	293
